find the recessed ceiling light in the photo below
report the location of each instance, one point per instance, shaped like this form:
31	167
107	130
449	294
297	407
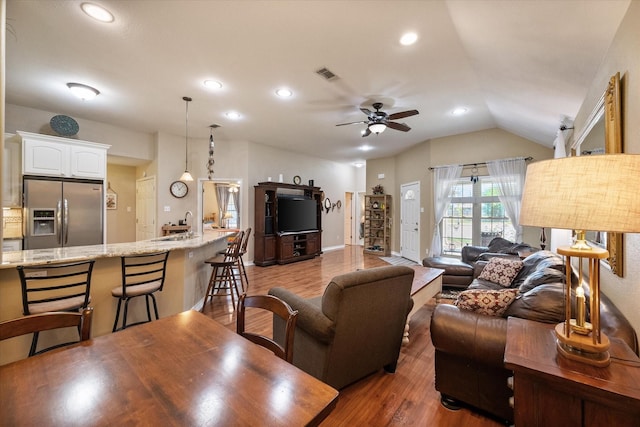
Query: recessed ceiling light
213	84
358	164
233	115
408	39
284	92
98	13
459	111
366	147
83	92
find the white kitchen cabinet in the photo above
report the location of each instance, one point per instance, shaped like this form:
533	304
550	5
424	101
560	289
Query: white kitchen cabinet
11	173
45	157
63	157
88	162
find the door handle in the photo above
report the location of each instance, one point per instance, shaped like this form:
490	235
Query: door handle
59	221
66	221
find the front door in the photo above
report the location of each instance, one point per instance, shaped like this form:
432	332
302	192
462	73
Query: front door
410	221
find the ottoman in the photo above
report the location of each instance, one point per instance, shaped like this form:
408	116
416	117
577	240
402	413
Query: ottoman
457	274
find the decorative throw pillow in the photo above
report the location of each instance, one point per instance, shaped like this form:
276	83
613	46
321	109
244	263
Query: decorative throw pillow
492	303
501	270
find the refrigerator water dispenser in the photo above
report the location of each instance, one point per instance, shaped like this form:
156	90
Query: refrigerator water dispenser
43	222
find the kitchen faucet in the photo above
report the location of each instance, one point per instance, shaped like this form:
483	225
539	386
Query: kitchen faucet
186	215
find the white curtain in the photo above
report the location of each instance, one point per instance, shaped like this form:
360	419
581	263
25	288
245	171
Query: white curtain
443	180
510	175
222	191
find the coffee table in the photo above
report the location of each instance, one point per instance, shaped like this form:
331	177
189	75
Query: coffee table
427	283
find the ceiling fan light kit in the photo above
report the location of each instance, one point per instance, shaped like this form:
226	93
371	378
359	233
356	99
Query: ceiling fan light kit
377	128
378	120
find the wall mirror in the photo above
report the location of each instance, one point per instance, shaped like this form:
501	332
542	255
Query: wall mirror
602	134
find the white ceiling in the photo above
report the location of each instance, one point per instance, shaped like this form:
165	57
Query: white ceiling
522	66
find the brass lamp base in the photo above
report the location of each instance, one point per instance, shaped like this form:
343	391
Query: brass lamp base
581	348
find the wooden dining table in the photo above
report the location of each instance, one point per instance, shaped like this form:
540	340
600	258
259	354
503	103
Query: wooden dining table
182	370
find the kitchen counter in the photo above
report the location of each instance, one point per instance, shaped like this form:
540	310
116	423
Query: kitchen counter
13	259
185	284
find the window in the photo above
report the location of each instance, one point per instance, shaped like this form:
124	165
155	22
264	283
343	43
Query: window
475	216
231	214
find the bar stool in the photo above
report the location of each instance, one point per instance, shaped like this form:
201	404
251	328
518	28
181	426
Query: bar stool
142	275
223	276
241	269
54	287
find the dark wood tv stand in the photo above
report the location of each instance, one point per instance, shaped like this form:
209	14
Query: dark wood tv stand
274	247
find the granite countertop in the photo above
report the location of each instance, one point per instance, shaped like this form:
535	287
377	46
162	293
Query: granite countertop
12	259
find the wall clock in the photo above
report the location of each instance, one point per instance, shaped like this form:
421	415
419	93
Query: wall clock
178	189
297	180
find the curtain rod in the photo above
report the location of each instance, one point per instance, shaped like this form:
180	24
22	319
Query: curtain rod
475	165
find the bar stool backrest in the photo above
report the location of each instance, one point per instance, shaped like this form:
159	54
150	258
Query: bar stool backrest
233	248
55	287
144	269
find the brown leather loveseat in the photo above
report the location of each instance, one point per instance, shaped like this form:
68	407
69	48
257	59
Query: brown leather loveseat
469	347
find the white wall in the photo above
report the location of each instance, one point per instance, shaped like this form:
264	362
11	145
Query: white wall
124	142
623	56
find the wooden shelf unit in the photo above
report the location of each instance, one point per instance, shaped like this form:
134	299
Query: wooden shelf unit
377	224
270	245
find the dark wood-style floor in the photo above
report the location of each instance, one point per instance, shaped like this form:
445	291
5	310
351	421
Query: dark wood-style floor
407	397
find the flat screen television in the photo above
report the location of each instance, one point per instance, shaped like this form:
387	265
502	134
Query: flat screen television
297	214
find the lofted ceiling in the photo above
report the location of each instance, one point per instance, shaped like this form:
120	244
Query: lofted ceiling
522	66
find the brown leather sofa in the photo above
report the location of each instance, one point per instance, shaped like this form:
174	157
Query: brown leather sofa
355	328
459	273
469	347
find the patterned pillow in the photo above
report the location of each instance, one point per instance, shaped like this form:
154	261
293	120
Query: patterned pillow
501	270
489	302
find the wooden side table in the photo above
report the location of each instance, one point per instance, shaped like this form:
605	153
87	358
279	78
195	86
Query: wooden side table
552	390
170	229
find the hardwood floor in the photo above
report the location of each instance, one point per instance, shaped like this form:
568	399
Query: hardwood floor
407	397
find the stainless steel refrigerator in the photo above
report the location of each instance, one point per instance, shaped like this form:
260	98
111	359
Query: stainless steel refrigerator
60	212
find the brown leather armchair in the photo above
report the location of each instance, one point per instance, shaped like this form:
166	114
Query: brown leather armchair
469	347
355	328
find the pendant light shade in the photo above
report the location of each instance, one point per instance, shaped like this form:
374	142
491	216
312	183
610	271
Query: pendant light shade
186	176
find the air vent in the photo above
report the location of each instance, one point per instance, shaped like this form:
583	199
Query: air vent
326	73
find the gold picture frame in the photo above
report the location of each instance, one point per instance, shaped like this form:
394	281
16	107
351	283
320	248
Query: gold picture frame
612	145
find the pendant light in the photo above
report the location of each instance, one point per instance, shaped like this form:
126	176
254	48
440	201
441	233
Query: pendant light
186	176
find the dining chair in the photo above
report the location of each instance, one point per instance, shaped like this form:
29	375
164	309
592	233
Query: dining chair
223	277
54	287
142	275
36	323
278	308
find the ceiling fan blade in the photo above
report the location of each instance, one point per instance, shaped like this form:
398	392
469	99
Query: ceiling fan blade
353	123
402	114
366	111
398	126
367	132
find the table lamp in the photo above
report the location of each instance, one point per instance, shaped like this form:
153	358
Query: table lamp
594	193
225	218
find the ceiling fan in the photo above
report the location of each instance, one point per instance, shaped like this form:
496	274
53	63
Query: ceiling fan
378	120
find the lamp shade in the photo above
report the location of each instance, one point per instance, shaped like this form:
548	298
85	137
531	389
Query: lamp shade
377	127
597	193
